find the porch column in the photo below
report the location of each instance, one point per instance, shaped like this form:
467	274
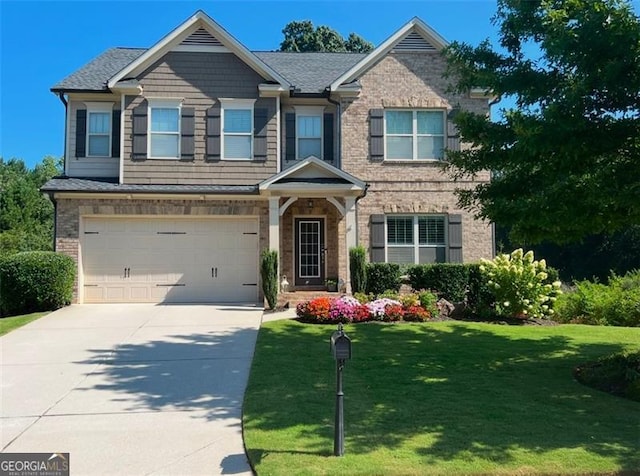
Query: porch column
350	225
274	224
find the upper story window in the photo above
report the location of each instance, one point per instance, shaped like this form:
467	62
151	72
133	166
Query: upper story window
414	134
237	129
164	128
309	131
416	238
99	125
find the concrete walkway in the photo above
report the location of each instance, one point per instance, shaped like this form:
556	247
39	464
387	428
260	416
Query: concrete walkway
131	389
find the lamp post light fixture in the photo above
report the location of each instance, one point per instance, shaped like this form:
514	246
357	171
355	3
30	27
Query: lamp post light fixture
341	349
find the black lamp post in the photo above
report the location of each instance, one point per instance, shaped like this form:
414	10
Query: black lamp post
341	350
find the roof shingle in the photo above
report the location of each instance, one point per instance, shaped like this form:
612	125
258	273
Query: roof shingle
307	72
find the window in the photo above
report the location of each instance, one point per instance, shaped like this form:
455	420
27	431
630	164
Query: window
98	138
416	239
99	134
237	129
414	135
164	129
309	132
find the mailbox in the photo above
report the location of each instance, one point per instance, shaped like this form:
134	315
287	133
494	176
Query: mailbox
340	345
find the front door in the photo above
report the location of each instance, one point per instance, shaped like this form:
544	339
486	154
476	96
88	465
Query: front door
309	251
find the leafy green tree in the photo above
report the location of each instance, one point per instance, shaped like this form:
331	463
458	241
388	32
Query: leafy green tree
566	160
302	36
26	215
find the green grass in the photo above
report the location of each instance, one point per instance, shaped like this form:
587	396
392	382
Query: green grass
7	324
439	398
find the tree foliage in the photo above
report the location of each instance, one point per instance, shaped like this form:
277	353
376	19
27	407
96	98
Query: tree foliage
26	215
302	36
566	161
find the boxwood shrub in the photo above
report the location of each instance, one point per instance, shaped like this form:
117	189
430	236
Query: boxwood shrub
449	280
35	281
382	277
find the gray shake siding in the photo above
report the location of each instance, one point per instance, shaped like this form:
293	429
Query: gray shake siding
199	79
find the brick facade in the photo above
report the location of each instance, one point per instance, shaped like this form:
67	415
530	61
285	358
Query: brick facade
408	80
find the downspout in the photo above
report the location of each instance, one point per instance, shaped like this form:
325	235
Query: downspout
66	121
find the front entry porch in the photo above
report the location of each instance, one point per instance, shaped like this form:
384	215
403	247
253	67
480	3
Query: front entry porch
312	223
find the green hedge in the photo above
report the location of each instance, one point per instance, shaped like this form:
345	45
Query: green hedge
35	281
449	280
614	304
382	277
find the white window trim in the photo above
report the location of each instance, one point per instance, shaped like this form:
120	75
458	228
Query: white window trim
414	135
99	107
416	234
234	103
168	103
317	111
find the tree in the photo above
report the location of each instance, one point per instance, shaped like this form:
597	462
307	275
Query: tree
566	161
301	36
26	215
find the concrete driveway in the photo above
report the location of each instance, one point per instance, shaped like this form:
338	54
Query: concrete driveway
131	389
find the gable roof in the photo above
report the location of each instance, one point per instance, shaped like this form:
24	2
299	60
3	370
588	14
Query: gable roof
313	171
311	72
199	20
415	25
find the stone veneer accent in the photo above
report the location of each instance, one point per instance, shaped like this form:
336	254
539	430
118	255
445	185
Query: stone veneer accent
408	80
69	212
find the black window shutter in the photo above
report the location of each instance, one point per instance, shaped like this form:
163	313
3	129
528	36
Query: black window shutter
378	239
81	133
213	134
453	137
455	238
139	150
260	120
328	137
376	135
290	136
187	133
115	133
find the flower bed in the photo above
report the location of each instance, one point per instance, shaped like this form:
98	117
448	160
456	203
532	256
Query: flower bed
347	309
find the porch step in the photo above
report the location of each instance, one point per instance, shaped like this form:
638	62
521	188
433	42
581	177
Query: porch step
293	298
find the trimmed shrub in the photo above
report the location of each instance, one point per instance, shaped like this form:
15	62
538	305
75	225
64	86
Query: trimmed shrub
382	277
520	286
480	298
269	274
35	281
618	374
448	280
358	268
614	304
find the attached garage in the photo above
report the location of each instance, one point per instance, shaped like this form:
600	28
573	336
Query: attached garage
135	259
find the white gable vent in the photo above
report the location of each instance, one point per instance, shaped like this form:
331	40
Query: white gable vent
200	37
414	42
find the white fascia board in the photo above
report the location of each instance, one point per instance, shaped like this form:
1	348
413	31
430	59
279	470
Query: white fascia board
316	189
155	196
185	29
365	63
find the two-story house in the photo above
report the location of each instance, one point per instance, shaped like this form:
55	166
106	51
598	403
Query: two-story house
184	160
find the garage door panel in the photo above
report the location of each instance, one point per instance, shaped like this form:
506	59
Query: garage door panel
171	260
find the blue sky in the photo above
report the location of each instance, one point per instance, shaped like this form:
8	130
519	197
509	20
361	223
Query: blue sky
42	42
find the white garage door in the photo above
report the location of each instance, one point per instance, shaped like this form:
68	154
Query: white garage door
170	260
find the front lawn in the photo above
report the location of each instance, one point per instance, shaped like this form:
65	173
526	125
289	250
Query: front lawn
439	398
7	324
